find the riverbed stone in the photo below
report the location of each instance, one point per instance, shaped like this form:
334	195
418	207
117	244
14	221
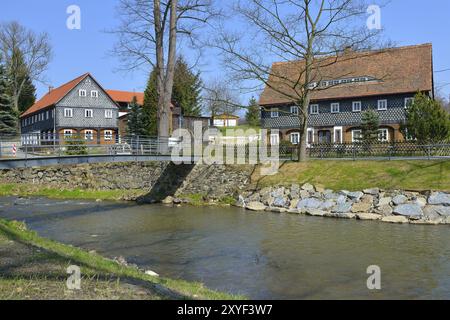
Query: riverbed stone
279	192
294	204
256	206
308	187
277	210
342	208
421	201
367	198
372	191
400	199
395	219
168	200
437	211
412	211
385	201
327	205
342	215
280	202
439	198
309	203
267	200
356	196
331	196
385	210
361	207
368	216
294	211
315	212
304	194
341	199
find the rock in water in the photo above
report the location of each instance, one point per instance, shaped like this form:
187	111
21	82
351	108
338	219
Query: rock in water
151	273
439	198
412	211
256	206
168	200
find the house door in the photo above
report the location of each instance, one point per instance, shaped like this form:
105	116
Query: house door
324	136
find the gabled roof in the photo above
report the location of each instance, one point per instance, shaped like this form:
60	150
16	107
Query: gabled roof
392	71
126	96
54	96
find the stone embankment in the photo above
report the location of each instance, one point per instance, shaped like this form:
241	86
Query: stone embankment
370	204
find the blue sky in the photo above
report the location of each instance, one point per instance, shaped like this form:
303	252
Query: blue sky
87	50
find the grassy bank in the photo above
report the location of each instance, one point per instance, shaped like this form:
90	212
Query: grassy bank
35	268
25	190
358	175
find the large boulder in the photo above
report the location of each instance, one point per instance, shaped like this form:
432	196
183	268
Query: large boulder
395	219
385	210
439	198
256	206
400	199
368	216
308	187
342	207
327	205
385	201
412	211
279	192
355	196
280	202
309	203
315	212
436	211
361	207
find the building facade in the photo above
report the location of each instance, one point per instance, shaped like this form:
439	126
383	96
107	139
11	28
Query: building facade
80	108
225	120
384	81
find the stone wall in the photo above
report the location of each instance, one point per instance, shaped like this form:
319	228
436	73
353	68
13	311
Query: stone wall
156	179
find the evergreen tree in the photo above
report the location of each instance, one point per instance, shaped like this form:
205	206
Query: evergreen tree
370	120
136	120
150	107
187	89
426	120
8	118
28	96
253	113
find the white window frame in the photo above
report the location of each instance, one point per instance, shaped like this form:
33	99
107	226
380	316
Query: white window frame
333	105
90	134
356	103
68	133
297	140
353	134
341	129
294	110
380	107
314	109
68	113
308	142
86	113
380	133
108	114
408	100
94	93
274	113
82	93
47	113
108	135
274	139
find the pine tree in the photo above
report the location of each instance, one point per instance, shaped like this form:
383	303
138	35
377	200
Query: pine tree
370	124
136	120
187	89
426	120
28	96
150	107
253	113
8	118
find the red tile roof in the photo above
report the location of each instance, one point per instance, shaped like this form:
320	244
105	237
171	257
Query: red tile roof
54	96
126	96
397	70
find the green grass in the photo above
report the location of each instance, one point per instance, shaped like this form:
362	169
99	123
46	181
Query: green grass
167	287
25	190
358	175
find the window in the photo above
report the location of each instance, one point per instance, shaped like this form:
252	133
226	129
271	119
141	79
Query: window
68	133
335	108
314	109
108	114
46	114
295	138
356	135
94	94
108	135
88	113
408	102
356	106
338	135
89	135
274	113
82	93
382	105
275	139
68	113
310	136
383	135
294	110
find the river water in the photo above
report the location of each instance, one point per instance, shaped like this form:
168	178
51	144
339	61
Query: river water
260	255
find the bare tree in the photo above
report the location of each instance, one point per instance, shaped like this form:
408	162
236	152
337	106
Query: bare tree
220	98
313	34
149	35
25	54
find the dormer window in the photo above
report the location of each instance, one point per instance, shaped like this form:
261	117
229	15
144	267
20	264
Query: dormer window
382	105
82	93
94	94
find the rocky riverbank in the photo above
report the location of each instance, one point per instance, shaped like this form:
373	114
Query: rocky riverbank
394	206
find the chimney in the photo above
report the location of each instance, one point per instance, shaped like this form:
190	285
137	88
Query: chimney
50	89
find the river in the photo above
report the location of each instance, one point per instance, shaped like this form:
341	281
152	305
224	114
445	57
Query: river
260	255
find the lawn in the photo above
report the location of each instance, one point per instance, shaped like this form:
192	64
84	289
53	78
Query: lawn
358	175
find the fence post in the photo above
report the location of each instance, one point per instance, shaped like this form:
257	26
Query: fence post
353	152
